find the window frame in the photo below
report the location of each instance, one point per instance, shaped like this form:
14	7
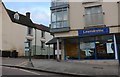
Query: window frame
29	31
94	21
63	12
42	45
42	34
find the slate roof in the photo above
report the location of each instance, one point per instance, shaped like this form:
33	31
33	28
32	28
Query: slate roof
42	27
25	21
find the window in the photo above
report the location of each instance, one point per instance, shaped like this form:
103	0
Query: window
99	47
93	16
58	2
59	18
42	45
42	34
87	50
16	16
30	31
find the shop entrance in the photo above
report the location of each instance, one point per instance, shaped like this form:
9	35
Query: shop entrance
119	53
71	48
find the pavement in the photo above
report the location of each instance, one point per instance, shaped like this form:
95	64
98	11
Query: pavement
63	67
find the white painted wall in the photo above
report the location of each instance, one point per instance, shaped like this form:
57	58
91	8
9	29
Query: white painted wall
48	37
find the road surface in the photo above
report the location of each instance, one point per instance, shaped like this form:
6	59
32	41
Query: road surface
17	72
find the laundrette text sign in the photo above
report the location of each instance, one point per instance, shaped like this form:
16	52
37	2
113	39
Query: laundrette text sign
93	31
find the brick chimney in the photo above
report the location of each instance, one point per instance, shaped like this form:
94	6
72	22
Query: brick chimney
28	14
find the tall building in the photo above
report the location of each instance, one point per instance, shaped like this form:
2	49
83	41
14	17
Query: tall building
88	30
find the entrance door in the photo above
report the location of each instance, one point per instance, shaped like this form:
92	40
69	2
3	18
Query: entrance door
119	52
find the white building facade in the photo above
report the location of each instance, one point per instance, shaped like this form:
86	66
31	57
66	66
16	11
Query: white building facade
15	27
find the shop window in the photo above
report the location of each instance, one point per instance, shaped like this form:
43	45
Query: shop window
99	47
105	50
87	50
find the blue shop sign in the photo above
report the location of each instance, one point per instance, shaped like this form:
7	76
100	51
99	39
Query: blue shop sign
93	31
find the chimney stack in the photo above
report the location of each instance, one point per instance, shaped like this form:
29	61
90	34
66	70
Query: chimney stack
28	14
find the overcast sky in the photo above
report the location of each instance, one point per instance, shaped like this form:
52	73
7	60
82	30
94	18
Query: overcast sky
40	11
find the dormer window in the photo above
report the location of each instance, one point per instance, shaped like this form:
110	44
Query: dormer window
16	16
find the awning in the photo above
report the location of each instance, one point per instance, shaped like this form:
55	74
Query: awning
52	41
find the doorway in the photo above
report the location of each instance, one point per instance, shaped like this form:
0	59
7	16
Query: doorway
119	53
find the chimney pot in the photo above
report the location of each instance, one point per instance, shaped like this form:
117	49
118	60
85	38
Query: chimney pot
28	14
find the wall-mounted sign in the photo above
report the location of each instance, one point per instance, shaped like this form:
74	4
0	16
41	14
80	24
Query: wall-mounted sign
93	31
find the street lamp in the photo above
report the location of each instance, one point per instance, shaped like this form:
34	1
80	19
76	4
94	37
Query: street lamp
30	38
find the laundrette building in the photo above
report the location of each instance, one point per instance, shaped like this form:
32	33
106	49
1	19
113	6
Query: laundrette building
86	31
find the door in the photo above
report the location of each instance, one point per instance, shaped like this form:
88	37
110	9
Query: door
119	52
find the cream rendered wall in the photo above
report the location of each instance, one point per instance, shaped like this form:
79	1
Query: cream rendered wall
0	25
13	35
76	18
111	13
67	34
76	12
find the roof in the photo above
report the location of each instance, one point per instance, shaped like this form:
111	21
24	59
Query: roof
42	27
24	20
52	41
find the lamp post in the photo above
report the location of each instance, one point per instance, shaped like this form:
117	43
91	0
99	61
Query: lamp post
30	38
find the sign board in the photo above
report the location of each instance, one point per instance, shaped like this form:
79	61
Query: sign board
93	31
27	46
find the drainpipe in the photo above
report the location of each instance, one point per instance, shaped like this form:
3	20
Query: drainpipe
35	41
49	53
54	51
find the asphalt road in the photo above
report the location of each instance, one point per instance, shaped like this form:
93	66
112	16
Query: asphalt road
17	72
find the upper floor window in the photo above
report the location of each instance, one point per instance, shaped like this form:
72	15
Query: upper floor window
93	16
58	2
30	30
42	45
42	34
16	16
59	18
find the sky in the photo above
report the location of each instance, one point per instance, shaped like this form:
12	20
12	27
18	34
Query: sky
40	11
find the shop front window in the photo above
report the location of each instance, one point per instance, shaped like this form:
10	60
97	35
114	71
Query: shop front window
99	47
105	47
87	48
